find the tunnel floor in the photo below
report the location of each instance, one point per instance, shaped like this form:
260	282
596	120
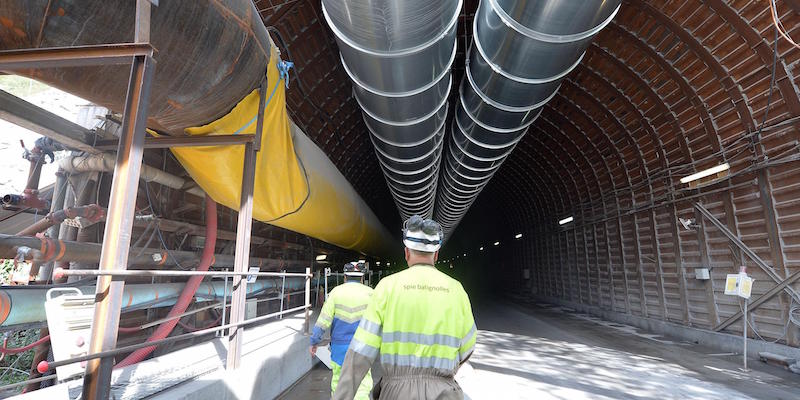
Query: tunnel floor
539	351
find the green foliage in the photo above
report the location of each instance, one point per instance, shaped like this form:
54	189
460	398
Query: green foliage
21	361
6	270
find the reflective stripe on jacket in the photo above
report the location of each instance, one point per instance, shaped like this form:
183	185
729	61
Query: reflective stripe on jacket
341	315
420	323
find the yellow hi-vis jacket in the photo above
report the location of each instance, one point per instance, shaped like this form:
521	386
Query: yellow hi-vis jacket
420	323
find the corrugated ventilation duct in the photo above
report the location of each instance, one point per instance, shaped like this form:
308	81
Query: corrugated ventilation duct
520	52
398	55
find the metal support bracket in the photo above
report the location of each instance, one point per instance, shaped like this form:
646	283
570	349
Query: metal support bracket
746	250
782	284
243	230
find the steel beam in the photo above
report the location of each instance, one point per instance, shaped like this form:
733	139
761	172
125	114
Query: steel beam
167	142
119	224
75	56
243	230
746	250
34	118
759	301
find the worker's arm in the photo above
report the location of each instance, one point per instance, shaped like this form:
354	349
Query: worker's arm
364	349
470	336
323	322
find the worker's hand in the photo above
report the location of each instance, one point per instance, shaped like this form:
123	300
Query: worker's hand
313	350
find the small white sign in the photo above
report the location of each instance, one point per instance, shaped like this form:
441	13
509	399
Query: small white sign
739	285
252	278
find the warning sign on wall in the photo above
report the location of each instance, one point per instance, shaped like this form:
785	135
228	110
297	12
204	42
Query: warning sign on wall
738	285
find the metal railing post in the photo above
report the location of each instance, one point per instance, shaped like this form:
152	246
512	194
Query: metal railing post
307	328
224	303
326	284
243	229
283	292
119	223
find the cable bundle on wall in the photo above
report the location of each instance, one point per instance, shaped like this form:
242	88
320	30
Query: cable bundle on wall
520	52
398	55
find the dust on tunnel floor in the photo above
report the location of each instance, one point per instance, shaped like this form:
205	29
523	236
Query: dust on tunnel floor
544	352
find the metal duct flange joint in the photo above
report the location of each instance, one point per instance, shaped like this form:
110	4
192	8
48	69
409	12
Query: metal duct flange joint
398	55
521	51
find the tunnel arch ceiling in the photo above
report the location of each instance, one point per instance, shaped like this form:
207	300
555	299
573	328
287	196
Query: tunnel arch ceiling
668	89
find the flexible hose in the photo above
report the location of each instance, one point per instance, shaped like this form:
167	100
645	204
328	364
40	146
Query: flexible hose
187	295
6	350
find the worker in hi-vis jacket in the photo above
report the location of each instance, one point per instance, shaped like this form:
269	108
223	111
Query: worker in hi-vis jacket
420	323
341	315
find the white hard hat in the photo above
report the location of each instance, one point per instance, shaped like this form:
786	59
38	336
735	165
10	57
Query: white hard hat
422	234
354	269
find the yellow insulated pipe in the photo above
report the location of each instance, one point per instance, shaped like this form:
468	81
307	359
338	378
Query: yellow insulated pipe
297	187
210	55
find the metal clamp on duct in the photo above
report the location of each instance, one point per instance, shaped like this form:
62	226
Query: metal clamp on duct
520	52
398	55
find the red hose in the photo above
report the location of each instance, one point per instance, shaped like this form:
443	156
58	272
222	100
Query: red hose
187	295
6	350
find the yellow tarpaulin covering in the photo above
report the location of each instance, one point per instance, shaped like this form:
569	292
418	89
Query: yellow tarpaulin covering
296	185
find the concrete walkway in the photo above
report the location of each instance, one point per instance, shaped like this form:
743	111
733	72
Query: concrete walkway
546	352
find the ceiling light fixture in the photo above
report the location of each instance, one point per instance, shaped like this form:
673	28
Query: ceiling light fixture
706	172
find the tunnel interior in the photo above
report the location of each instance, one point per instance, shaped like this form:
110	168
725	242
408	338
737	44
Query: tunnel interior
598	208
667	89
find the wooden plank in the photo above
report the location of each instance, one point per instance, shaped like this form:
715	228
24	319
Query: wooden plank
659	272
776	248
624	263
638	254
711	304
684	296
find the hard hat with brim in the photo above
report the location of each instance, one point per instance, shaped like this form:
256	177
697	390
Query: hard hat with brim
354	269
423	235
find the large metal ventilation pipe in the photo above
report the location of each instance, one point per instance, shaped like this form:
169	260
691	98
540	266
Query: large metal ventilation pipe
520	52
398	55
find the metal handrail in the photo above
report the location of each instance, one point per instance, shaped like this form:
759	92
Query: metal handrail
45	366
55	364
143	272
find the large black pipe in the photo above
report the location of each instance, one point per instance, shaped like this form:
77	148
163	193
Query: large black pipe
215	52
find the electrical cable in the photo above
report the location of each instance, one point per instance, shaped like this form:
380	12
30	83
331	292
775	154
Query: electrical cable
158	229
778	25
755	331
